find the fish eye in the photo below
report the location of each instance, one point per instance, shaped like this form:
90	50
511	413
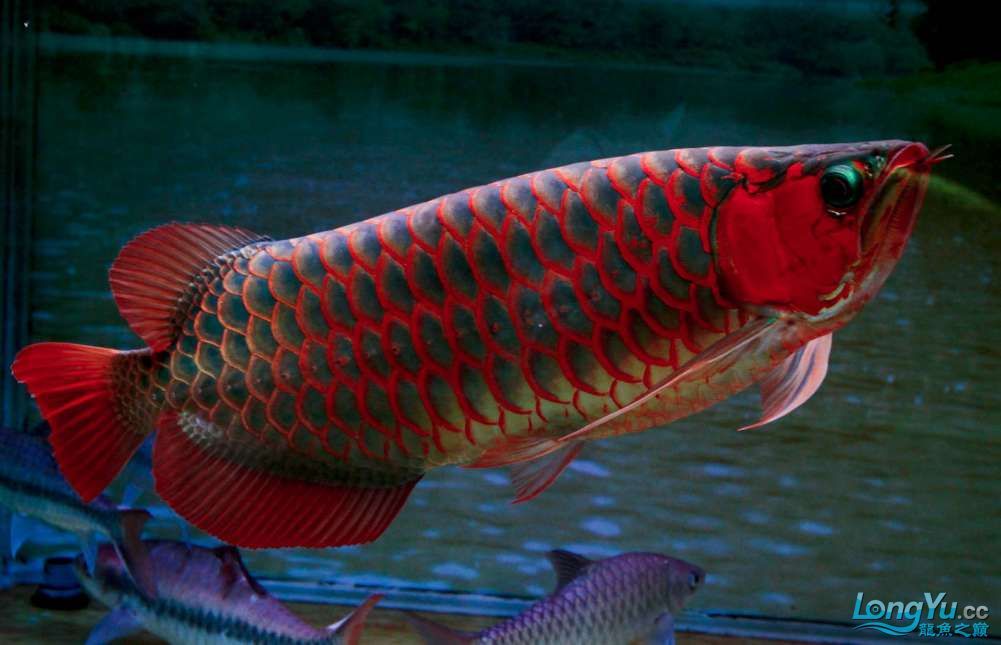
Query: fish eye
841	186
693	580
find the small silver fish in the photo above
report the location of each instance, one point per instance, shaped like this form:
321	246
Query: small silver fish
32	487
204	596
616	600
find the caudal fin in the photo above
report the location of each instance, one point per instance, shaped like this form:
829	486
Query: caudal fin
95	425
348	629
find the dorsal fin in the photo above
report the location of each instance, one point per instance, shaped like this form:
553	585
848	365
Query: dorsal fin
156	272
567	565
232	564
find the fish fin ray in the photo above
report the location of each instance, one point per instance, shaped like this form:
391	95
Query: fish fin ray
567	565
74	387
230	557
511	450
530	478
264	511
716	359
436	634
155	272
132	550
794	381
117	624
348	629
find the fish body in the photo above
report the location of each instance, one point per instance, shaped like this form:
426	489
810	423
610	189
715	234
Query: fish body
612	601
502	325
203	596
31	486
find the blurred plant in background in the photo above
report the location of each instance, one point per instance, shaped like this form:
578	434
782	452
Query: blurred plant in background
837	38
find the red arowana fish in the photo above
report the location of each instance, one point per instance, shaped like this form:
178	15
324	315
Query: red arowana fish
612	601
203	596
299	389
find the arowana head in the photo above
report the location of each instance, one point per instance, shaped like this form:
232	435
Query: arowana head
813	231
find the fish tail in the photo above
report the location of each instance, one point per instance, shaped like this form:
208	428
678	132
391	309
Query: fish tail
348	629
133	551
92	399
436	634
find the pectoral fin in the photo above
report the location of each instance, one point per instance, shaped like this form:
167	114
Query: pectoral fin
118	624
794	381
748	343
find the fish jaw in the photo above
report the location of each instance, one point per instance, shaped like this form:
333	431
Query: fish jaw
890	216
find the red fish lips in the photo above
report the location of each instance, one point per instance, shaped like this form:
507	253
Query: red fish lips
890	217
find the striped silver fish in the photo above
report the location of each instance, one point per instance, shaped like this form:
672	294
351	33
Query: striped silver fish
203	596
31	486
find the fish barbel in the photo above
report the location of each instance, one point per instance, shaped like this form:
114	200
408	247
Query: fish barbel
31	486
300	388
203	596
608	602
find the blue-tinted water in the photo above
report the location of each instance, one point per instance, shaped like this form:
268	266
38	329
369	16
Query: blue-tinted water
885	482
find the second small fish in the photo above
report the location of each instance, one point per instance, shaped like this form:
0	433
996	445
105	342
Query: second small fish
31	486
202	596
615	600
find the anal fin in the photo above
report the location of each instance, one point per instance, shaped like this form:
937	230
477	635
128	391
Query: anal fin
253	508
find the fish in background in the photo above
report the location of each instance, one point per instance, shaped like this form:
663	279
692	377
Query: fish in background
608	602
299	389
202	596
32	487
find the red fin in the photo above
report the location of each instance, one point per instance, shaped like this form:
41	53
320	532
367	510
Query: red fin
530	478
794	381
154	272
505	452
74	389
348	629
257	509
434	634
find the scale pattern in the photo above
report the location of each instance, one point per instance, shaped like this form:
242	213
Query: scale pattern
527	306
617	600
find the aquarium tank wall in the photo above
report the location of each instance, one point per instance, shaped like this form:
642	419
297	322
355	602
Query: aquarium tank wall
301	116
